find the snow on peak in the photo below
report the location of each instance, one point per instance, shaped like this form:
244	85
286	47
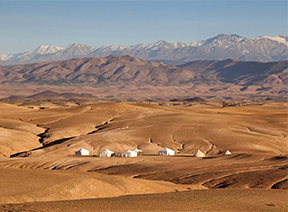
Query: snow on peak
152	46
116	47
49	49
75	45
5	56
233	41
279	38
178	45
224	40
196	43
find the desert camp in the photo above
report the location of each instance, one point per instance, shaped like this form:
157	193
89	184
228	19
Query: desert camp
82	151
144	106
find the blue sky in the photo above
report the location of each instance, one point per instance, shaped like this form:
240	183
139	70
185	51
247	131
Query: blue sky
25	25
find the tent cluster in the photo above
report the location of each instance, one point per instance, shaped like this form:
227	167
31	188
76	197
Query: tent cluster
136	152
198	153
167	151
127	153
109	153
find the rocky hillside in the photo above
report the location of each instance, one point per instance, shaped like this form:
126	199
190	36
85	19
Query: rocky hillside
111	70
242	73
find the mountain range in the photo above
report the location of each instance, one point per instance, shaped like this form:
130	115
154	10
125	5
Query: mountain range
220	47
108	71
134	78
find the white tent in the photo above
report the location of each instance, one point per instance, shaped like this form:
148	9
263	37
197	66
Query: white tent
82	152
106	153
137	150
199	154
227	153
166	151
129	153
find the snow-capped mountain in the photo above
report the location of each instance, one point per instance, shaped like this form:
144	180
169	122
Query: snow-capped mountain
222	46
46	50
28	57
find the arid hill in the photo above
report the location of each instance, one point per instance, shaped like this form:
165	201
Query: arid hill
55	95
242	73
112	70
128	78
47	96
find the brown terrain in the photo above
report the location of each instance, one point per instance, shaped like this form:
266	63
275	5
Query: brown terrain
40	172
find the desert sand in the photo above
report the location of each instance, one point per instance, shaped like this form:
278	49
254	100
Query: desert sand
39	171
